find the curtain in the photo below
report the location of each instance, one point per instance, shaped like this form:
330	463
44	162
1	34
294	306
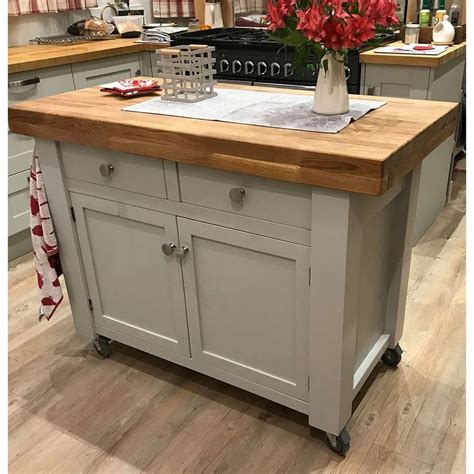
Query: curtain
173	8
250	6
22	7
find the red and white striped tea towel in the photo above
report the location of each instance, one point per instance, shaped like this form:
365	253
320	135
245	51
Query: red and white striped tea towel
45	245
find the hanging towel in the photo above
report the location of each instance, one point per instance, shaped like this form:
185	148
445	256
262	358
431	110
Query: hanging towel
45	245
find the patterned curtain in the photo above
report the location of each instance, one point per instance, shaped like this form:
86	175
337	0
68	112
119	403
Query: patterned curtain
22	7
173	8
250	6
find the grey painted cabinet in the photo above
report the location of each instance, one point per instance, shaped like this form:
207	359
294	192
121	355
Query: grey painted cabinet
41	83
102	71
442	83
247	299
135	288
27	86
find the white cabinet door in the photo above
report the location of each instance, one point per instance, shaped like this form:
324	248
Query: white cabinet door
247	299
103	71
135	288
396	81
18	202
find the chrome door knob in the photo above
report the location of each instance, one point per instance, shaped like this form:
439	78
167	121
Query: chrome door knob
275	69
106	169
236	66
225	65
289	71
168	248
237	194
181	251
262	68
249	67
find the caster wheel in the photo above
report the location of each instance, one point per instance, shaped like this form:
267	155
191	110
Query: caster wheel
102	346
392	357
339	444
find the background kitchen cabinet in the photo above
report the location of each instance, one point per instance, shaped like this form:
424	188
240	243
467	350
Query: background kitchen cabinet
135	288
22	86
247	299
39	83
444	83
102	71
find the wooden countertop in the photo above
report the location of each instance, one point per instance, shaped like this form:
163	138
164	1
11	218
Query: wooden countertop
371	57
366	157
37	56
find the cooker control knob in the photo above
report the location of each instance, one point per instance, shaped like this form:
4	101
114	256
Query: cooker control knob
236	66
288	70
224	65
249	67
275	69
262	68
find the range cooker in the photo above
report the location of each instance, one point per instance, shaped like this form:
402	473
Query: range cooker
249	55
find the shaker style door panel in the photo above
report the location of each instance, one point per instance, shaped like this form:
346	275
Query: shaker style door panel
103	71
396	81
18	202
135	288
247	299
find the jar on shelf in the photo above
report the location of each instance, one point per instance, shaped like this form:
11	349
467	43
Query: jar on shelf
412	33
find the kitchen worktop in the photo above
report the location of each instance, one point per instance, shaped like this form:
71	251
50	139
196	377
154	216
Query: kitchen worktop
371	57
366	157
37	56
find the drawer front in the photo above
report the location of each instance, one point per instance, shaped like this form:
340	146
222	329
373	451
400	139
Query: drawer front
274	201
134	173
31	85
18	203
102	71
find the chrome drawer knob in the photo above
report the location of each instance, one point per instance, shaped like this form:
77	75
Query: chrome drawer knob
181	251
168	249
237	194
106	169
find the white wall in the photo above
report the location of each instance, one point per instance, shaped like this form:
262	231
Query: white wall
25	27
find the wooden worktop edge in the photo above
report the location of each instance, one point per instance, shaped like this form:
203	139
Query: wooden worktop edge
371	57
264	160
42	62
402	162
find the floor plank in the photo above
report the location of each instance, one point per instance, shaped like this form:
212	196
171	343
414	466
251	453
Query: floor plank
70	411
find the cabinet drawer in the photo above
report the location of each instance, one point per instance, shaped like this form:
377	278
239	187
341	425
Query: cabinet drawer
31	85
266	199
102	71
134	173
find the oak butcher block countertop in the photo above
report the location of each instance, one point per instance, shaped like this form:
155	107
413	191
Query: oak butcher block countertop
420	60
36	56
366	157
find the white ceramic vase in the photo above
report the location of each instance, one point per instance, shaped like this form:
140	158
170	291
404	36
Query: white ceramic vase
330	96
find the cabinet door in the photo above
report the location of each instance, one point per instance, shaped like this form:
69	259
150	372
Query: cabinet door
135	288
103	71
247	299
18	202
396	81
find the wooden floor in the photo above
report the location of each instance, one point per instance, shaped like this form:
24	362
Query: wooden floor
72	412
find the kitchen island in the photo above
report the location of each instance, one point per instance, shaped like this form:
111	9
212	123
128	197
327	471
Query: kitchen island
274	260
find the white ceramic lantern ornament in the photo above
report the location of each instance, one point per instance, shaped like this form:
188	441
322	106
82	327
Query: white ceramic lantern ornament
443	32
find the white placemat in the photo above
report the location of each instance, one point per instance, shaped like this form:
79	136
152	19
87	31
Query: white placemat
267	109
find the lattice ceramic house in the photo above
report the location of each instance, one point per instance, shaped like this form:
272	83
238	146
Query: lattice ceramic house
187	72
